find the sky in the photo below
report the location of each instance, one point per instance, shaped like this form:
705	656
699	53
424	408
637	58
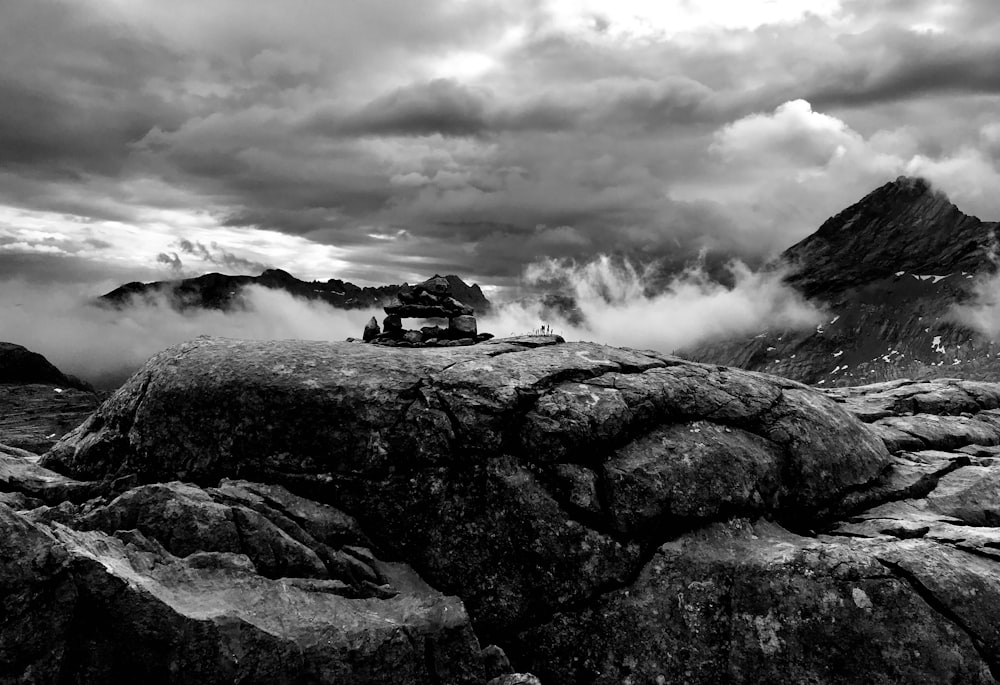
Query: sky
383	141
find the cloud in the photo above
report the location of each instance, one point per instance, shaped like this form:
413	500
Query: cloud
493	134
895	64
982	312
216	255
441	106
172	261
621	304
968	176
74	108
793	133
779	174
104	346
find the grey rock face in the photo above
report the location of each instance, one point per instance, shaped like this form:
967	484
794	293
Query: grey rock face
177	584
604	515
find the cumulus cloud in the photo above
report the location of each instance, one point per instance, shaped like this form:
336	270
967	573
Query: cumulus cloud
620	304
793	134
104	345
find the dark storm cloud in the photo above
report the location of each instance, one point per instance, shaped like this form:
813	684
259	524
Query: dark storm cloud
72	270
74	90
440	106
909	65
449	108
350	122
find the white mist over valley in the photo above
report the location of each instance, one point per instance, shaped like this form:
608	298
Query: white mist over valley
104	344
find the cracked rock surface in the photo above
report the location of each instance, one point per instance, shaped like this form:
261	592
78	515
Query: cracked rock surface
604	515
172	583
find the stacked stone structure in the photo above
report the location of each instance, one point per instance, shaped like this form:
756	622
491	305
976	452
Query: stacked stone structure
431	299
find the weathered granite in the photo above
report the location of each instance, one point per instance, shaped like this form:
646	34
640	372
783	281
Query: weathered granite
605	515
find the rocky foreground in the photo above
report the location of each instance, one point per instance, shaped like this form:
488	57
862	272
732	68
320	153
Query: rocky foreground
296	512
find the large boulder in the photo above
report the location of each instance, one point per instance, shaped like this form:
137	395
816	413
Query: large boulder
544	484
605	515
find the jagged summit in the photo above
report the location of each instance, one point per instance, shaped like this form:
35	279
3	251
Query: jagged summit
905	225
889	270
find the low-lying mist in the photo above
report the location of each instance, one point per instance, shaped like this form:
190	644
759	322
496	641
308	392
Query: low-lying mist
614	305
104	346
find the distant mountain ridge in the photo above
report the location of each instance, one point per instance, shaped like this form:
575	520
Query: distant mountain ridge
889	270
222	291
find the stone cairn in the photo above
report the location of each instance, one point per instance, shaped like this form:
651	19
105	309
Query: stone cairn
431	299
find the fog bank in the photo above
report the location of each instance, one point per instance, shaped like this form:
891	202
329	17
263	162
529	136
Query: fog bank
618	308
614	306
104	346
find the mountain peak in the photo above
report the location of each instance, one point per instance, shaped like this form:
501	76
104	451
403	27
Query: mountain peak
277	275
904	225
915	184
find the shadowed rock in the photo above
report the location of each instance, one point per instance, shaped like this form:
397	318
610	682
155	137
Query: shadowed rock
120	608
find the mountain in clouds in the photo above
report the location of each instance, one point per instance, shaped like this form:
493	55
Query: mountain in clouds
224	292
894	271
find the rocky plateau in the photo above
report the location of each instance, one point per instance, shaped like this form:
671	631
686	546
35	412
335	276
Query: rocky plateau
303	512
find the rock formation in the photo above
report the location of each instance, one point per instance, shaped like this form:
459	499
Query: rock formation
310	512
432	299
889	271
172	583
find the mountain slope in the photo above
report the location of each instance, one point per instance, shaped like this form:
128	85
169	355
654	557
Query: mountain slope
221	291
889	270
38	402
903	226
20	366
